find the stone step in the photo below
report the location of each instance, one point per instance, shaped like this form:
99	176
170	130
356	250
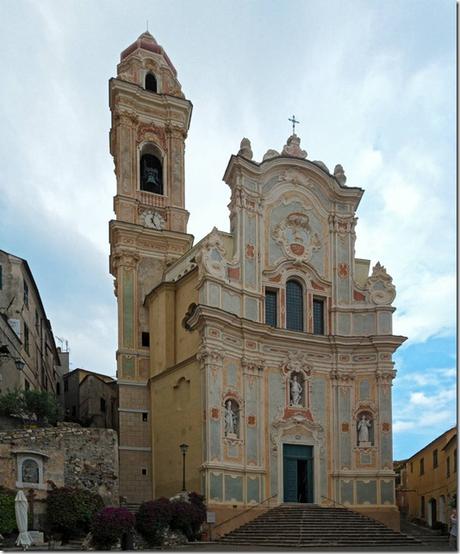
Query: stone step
309	526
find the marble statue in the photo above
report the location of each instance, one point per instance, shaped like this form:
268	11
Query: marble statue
363	429
296	391
230	419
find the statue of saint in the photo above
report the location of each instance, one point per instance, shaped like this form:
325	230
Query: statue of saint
230	419
363	429
296	392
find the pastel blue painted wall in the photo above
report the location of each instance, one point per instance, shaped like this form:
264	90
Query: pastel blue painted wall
387	492
215	446
364	390
386	447
214	294
215	486
343	324
233	488
346	492
251	311
231	302
276	400
366	493
345	416
253	486
318	407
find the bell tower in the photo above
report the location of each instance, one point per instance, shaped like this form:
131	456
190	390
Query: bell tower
150	120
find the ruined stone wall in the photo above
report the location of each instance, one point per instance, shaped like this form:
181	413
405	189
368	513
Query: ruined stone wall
69	455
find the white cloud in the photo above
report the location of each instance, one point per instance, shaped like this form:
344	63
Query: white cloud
400	426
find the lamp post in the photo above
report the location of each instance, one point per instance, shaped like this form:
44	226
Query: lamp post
183	448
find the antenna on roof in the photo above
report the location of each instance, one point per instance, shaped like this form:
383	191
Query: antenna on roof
147	22
63	341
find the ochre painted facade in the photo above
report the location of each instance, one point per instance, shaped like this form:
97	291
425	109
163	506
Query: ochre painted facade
428	487
270	347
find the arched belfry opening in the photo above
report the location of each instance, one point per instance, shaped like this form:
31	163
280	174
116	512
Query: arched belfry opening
151	82
151	169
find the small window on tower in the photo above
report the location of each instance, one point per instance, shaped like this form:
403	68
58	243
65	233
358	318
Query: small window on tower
145	416
150	82
145	339
144	471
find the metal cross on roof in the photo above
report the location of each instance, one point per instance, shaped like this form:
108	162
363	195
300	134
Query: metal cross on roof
294	121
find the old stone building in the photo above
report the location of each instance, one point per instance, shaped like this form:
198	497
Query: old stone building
268	349
28	354
91	398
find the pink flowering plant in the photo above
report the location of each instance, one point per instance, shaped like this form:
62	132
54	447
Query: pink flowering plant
109	525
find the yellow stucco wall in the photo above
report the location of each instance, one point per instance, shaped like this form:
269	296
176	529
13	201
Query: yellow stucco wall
175	386
434	483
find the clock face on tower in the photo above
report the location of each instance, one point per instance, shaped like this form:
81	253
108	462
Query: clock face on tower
153	220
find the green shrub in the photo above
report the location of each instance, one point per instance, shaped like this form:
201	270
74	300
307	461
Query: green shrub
70	510
7	514
109	526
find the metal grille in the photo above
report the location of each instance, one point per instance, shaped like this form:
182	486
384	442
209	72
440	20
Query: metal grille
271	315
294	306
318	316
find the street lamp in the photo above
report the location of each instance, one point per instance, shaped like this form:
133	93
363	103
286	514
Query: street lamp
183	448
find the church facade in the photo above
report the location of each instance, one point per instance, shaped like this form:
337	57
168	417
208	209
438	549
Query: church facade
268	349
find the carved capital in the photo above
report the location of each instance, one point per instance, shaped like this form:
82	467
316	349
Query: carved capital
127	260
208	355
252	365
385	377
342	378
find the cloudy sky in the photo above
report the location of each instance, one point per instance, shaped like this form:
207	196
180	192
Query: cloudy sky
373	85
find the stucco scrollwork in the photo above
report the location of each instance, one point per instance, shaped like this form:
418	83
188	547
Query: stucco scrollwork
292	148
296	237
296	361
211	257
380	286
281	426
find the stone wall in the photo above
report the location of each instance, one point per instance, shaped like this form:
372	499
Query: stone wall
68	455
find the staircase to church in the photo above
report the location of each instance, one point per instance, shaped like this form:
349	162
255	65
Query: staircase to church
308	525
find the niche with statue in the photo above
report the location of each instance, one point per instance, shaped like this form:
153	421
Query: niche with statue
231	418
365	429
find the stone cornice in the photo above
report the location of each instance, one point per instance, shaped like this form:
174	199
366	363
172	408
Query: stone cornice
129	235
290	339
239	164
121	91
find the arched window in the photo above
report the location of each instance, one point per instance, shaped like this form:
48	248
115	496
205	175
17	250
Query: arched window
151	170
294	306
150	82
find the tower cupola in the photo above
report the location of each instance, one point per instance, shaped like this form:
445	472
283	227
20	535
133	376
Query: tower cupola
145	63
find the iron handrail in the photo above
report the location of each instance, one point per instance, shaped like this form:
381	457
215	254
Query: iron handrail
335	502
245	511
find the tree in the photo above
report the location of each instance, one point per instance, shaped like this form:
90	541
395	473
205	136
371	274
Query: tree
30	404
